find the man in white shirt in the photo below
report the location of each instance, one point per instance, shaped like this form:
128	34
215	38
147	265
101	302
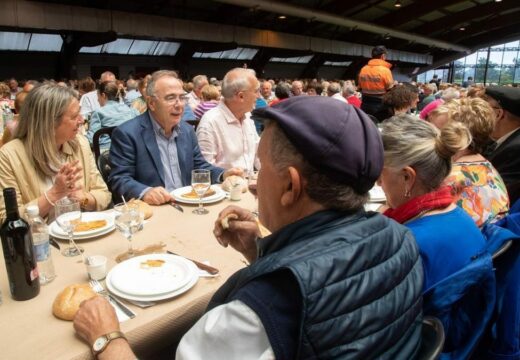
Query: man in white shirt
334	91
297	88
331	281
266	89
89	101
227	135
194	98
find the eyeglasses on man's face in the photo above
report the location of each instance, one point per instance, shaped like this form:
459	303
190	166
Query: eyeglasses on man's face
173	98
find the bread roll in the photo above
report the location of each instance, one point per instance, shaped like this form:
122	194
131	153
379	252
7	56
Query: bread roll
225	220
143	207
234	180
67	302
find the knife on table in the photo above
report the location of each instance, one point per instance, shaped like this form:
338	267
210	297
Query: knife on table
54	243
175	205
210	269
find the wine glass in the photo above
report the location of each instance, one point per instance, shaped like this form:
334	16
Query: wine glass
200	182
68	215
129	220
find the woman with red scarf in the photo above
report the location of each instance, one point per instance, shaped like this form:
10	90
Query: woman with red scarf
417	160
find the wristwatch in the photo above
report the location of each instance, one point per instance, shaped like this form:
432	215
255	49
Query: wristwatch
102	342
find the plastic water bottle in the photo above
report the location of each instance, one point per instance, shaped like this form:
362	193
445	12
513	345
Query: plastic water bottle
7	117
42	249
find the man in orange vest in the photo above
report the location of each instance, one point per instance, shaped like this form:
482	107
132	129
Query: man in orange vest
375	79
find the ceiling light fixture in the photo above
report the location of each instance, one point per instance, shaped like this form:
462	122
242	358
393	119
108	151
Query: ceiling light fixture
282	17
462	29
498	0
397	3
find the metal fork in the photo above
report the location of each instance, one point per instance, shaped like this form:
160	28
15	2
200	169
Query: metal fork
97	287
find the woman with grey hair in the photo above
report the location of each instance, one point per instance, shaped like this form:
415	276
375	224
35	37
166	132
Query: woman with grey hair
48	160
417	160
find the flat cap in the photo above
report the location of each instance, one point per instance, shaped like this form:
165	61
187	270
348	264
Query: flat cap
508	97
337	138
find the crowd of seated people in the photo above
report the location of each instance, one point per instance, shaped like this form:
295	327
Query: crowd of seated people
446	174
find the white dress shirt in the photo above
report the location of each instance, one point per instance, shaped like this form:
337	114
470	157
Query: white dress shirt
88	103
231	331
339	97
193	100
227	142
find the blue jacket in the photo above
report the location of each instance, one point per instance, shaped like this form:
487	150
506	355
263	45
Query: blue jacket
505	330
112	114
359	283
136	161
464	302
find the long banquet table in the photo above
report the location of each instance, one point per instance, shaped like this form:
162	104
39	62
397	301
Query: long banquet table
28	329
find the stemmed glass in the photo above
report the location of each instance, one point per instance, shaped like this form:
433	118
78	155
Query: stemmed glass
200	182
68	215
129	220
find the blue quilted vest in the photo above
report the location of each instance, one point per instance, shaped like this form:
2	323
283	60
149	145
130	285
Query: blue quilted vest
360	281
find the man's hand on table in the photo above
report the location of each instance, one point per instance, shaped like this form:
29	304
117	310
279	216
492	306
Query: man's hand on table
95	318
242	231
157	196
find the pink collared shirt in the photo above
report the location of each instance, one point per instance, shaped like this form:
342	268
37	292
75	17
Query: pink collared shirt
225	141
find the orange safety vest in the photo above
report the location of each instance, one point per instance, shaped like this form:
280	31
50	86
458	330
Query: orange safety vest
375	77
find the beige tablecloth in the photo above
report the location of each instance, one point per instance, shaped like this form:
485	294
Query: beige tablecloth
28	330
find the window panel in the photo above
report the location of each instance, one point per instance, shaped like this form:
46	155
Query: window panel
91	49
120	46
337	63
293	60
507	74
509	57
142	47
14	40
167	48
471	59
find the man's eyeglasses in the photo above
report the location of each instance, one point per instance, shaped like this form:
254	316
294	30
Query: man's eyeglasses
172	99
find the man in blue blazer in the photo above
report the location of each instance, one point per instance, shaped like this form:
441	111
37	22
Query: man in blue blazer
155	152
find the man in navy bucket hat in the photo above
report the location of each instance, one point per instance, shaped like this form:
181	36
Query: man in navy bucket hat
331	280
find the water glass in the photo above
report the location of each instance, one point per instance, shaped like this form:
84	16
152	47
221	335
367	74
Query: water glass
68	215
129	220
200	182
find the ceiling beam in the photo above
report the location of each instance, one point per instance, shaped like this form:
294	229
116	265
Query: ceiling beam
341	21
484	26
464	16
494	37
413	11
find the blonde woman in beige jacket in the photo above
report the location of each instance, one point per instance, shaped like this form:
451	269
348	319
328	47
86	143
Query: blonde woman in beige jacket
49	159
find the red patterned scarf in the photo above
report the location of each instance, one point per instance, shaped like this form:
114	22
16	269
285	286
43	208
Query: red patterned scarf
438	199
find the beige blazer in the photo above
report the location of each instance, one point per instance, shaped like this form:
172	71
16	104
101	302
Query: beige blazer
17	170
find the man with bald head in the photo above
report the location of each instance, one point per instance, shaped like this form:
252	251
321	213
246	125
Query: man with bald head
297	88
266	89
89	101
227	135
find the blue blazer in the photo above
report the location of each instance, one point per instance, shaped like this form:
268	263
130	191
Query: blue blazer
136	161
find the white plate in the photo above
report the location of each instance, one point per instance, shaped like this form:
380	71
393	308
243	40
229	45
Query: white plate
219	195
377	194
86	216
82	237
133	277
169	295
